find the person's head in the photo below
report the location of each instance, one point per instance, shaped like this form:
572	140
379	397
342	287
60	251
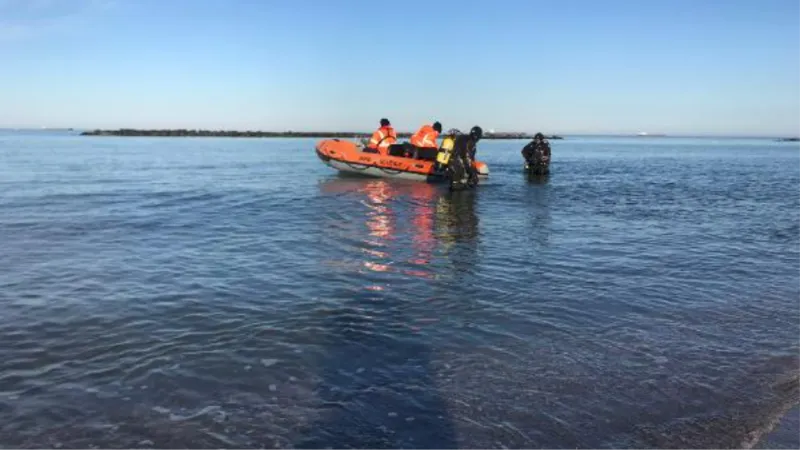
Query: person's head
538	137
437	126
385	122
476	133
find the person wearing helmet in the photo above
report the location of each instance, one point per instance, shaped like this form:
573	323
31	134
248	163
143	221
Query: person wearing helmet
423	143
537	155
382	138
461	170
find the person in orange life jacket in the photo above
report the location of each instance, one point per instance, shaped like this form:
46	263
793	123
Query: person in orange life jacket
423	142
382	138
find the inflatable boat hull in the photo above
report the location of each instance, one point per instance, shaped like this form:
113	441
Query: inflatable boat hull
349	157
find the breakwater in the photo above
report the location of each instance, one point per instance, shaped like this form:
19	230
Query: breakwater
273	134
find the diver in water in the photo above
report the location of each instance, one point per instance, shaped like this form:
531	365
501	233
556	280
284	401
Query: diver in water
462	173
537	155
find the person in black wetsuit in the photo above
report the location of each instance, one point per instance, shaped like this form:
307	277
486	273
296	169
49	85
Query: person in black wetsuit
537	155
462	174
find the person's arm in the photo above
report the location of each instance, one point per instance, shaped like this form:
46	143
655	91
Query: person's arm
472	149
376	137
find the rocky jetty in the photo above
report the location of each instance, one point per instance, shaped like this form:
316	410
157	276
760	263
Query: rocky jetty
273	134
217	133
518	136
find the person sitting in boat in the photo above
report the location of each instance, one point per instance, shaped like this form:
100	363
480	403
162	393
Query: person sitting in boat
462	173
382	138
537	154
423	142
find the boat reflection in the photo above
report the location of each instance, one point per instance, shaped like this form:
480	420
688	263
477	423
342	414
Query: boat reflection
389	234
375	361
423	239
380	217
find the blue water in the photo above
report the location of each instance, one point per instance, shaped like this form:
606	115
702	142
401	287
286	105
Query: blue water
217	292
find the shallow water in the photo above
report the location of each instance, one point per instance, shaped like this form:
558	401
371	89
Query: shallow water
208	292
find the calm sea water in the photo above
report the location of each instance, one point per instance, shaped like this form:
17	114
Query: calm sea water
170	292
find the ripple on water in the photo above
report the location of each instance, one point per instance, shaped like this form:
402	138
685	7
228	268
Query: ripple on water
202	294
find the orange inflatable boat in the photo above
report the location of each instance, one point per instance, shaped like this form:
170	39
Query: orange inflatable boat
348	156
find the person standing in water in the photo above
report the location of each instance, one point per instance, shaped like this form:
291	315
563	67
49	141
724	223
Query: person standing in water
537	155
461	170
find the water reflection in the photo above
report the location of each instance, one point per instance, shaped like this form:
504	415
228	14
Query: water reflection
537	178
423	195
537	199
375	388
457	229
380	220
389	233
456	217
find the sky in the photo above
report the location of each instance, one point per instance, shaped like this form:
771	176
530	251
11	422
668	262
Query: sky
680	67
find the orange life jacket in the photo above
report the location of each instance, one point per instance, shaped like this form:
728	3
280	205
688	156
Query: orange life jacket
382	138
425	137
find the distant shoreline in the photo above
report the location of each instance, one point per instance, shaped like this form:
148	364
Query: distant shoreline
274	134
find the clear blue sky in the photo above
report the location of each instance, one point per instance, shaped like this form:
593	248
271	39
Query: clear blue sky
727	67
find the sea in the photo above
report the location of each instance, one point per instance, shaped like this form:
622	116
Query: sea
226	292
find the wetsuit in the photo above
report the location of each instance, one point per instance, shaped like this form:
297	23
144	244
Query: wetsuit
537	155
462	174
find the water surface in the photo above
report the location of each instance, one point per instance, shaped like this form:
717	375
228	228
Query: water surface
218	292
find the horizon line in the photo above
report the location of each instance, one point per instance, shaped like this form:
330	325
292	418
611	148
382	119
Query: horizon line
496	132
